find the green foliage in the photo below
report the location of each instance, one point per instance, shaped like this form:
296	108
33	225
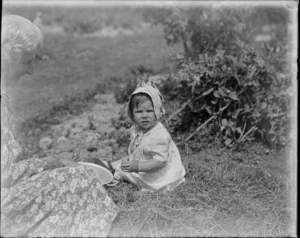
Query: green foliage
198	29
227	87
127	83
121	125
240	95
205	29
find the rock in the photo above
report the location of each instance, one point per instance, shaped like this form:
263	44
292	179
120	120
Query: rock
63	145
75	131
37	131
30	133
45	143
84	123
91	138
208	156
65	155
104	153
84	155
258	158
104	129
66	130
61	139
97	96
98	119
109	142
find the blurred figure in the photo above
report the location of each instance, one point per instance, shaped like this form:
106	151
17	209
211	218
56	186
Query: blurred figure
38	20
41	50
42	197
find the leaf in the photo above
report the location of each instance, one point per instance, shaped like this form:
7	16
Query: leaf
193	87
253	71
233	59
263	105
224	122
256	84
228	142
256	114
236	113
233	96
208	110
216	94
238	129
221	92
197	78
222	128
247	107
211	74
220	52
208	92
261	62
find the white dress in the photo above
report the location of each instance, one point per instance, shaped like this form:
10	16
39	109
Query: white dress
154	144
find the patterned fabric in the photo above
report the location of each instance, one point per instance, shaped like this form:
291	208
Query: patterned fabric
37	201
154	144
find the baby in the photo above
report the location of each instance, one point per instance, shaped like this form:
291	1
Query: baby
153	162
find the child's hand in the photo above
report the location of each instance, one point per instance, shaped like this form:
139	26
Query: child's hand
130	166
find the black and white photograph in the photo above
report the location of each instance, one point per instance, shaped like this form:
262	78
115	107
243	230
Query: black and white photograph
149	118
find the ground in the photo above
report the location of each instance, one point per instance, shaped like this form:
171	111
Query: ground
67	109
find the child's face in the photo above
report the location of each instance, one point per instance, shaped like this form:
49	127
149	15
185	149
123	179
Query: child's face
144	116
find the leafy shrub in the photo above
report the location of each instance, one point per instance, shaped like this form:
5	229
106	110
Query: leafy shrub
205	29
122	124
225	86
241	95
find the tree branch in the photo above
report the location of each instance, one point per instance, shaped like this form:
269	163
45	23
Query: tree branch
207	121
178	111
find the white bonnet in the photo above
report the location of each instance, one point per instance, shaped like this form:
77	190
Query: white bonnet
157	99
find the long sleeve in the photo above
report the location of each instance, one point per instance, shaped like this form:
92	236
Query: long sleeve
10	148
12	173
159	149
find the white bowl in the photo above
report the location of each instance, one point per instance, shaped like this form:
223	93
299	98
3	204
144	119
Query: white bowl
105	175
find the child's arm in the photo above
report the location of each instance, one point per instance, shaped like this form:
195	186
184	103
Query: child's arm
142	166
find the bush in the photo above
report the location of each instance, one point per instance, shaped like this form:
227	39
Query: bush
204	29
242	95
225	85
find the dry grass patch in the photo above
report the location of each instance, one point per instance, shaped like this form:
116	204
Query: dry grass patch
218	199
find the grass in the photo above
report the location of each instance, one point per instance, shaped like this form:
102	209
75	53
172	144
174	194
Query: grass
64	75
217	199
